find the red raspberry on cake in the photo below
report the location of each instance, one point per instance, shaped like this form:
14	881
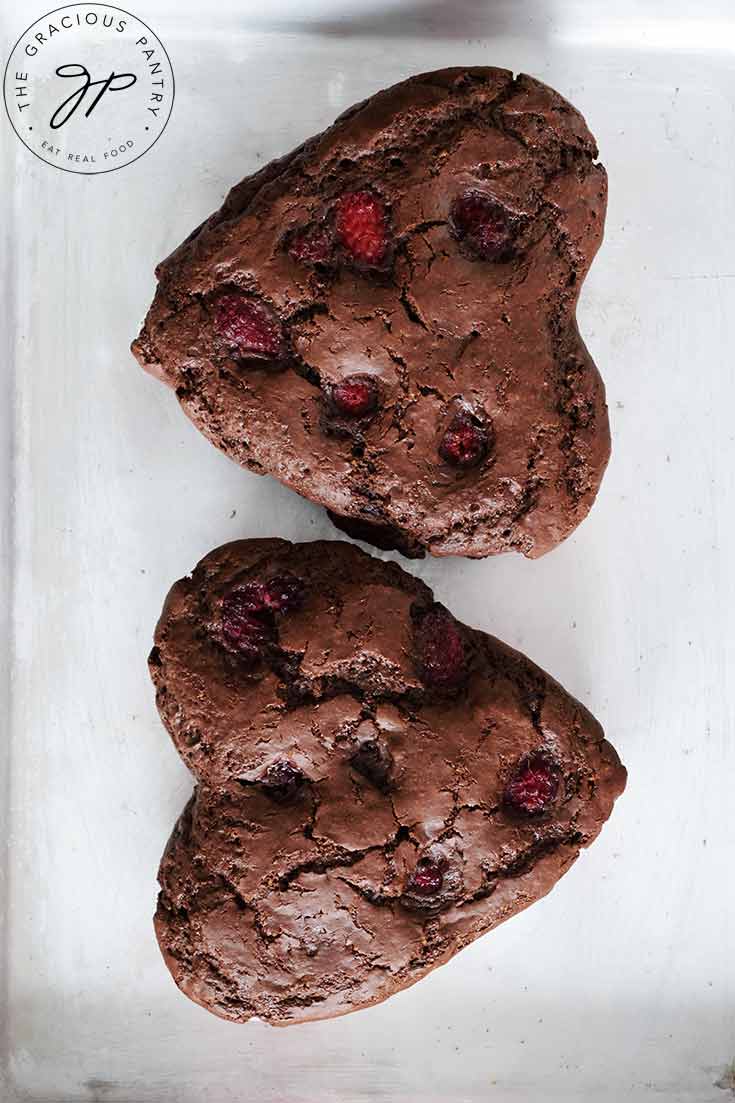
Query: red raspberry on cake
355	396
533	786
485	226
465	442
441	652
362	227
312	245
249	328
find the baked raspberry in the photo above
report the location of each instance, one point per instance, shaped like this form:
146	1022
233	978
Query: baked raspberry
282	780
484	225
441	652
243	626
312	245
426	879
249	612
533	786
355	395
465	442
283	593
362	227
249	327
250	598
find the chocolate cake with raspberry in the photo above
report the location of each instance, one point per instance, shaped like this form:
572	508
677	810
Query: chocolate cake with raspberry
379	784
384	319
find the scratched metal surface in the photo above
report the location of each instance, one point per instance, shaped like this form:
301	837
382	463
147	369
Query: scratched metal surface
621	984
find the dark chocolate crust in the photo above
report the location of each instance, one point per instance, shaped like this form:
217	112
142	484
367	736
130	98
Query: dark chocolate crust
288	895
436	327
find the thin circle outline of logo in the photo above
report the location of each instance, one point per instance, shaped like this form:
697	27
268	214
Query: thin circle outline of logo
86	4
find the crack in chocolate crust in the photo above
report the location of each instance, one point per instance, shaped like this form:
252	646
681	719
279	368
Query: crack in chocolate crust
289	887
434	326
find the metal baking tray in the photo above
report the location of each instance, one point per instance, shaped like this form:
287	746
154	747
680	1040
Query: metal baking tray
621	984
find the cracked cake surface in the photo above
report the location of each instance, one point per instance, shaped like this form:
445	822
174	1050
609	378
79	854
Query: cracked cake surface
384	319
378	784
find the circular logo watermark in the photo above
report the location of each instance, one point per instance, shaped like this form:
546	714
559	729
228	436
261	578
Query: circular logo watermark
88	88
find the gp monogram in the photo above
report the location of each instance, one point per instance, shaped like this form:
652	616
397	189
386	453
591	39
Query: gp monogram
88	88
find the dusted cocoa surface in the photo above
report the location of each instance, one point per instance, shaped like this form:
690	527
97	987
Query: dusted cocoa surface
379	784
286	293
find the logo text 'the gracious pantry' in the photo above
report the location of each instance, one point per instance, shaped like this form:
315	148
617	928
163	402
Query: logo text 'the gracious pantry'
89	88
